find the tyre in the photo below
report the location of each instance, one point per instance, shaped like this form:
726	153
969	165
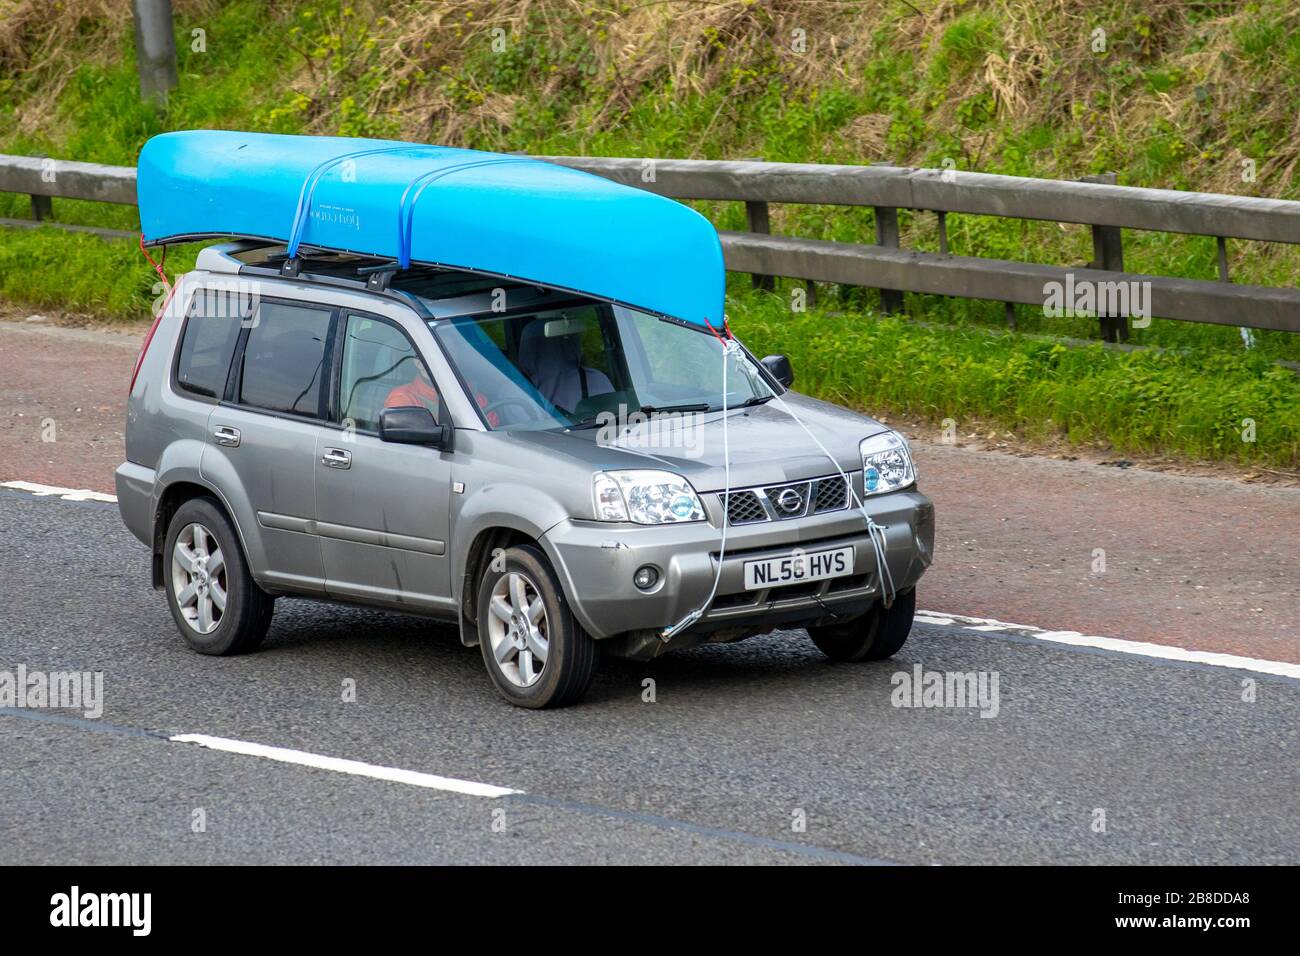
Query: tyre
878	634
217	606
535	651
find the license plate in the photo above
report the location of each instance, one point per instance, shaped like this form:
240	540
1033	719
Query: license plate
797	568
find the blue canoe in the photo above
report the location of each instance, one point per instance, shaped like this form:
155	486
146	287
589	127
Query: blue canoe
492	213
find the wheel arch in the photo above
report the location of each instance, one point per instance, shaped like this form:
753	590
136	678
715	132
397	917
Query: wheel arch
173	495
487	542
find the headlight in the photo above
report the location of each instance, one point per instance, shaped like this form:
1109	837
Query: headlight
646	497
886	463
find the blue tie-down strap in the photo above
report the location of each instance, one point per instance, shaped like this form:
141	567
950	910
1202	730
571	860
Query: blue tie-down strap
308	191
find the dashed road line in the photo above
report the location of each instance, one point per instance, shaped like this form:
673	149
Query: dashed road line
53	491
430	781
357	768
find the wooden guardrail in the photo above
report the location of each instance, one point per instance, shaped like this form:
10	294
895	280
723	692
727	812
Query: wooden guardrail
1105	207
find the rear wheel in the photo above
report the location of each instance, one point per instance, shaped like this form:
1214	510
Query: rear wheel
878	634
217	606
536	653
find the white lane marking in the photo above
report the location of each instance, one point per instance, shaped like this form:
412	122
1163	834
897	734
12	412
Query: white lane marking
1166	652
67	494
928	617
355	767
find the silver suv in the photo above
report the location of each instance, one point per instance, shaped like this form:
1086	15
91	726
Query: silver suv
551	473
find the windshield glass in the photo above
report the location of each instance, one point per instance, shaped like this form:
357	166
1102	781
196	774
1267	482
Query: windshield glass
567	366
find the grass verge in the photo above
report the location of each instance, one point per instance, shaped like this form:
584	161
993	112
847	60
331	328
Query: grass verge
1234	406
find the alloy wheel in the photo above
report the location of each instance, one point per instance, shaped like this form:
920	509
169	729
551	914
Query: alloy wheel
199	578
517	629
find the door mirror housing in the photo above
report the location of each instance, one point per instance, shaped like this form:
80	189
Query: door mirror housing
779	368
413	425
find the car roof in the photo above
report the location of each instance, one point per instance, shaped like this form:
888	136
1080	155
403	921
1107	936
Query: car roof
498	215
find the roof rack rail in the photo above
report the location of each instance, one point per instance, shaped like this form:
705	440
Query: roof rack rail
303	273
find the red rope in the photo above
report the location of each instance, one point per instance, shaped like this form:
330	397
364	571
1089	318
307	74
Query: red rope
725	328
157	266
162	274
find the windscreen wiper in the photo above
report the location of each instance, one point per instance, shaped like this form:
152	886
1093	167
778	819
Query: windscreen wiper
663	409
644	410
756	400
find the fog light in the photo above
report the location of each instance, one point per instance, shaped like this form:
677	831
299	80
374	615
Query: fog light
646	577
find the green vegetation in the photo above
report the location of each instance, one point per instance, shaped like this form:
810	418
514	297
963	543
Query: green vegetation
1166	93
1194	403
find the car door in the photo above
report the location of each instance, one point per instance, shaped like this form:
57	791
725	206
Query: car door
266	433
382	508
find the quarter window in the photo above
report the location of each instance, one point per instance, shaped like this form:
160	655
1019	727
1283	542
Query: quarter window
211	332
284	359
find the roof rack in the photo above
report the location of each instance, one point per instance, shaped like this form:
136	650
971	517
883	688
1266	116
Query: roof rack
422	286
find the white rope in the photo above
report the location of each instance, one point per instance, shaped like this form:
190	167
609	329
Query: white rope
729	347
874	531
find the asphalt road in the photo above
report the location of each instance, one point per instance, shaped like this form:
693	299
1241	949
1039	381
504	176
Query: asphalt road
739	742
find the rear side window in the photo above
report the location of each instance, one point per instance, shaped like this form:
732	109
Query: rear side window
208	343
283	362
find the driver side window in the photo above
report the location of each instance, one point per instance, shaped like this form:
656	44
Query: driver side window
380	369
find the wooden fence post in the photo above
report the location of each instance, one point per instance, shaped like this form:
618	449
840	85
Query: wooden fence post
759	219
891	300
1108	253
155	48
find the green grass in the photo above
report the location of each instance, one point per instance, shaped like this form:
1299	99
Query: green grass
82	274
1194	403
1181	95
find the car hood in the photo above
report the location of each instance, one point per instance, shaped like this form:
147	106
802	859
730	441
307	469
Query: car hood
766	444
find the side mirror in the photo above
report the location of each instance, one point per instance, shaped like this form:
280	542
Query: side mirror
413	425
779	368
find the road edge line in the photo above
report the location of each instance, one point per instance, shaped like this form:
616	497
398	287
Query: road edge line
1168	652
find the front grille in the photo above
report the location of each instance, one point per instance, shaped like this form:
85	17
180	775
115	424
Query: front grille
743	507
788	501
831	495
795	499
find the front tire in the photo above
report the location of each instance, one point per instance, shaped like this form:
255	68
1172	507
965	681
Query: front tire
217	606
536	653
878	634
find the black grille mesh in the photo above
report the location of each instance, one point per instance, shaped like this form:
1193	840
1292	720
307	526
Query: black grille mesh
831	494
743	507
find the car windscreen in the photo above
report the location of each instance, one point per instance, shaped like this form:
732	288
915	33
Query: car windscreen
568	366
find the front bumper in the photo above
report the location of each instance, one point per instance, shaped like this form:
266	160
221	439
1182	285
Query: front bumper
596	562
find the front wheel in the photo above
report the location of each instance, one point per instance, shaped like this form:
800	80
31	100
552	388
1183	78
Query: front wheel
536	653
878	634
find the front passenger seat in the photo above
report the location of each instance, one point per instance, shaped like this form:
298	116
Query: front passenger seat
554	365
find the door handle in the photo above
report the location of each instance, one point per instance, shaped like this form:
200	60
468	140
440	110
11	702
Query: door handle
225	435
336	458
